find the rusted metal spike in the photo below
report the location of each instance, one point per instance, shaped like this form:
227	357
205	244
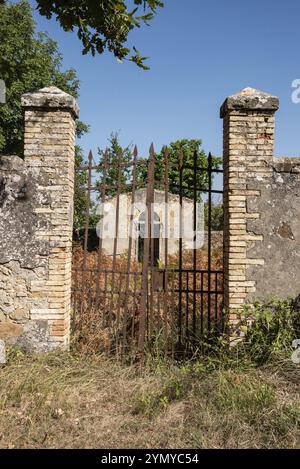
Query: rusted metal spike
181	158
135	152
105	157
151	151
90	157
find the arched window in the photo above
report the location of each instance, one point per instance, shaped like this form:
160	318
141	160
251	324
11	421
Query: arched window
154	242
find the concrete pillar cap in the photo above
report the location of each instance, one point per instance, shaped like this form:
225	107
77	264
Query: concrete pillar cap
250	99
50	97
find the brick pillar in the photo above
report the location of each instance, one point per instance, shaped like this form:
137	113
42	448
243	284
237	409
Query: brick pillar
248	149
49	157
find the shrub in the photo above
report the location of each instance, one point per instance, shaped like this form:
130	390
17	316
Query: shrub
273	327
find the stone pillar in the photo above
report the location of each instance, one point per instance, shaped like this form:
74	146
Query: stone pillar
248	150
49	159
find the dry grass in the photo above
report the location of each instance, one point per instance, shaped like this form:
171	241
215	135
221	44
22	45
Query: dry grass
65	401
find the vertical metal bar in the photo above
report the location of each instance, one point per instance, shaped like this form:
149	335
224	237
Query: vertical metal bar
156	321
166	228
134	299
181	167
216	298
222	274
201	304
152	267
90	289
195	156
102	197
222	306
104	297
118	345
149	203
172	310
209	240
187	325
86	230
116	236
151	233
74	292
128	269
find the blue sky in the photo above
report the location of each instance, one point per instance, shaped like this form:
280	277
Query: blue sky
201	52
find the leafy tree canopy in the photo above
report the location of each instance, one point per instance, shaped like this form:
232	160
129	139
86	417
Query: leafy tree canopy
116	169
28	61
103	24
188	154
112	157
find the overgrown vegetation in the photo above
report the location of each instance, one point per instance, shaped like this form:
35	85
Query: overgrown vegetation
107	309
239	397
272	328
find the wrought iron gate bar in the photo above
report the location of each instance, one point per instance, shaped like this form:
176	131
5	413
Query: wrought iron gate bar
151	291
180	251
209	239
128	270
166	286
195	231
102	195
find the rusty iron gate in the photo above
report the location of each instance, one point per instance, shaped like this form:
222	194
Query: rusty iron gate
154	278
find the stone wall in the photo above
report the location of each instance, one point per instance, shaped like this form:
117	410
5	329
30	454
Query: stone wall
279	226
261	205
261	210
36	211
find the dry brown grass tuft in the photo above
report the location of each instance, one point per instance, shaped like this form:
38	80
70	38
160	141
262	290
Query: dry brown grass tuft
65	401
